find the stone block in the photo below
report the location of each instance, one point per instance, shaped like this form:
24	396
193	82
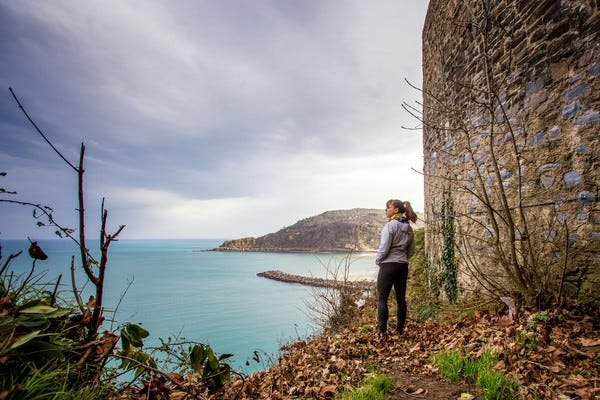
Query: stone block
554	132
571	109
537	138
572	178
559	70
534	86
589	118
586	198
575	92
547	180
506	174
547	166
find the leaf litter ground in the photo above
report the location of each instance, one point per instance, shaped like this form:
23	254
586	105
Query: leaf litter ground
555	357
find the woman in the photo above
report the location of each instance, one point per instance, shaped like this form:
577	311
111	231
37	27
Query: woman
396	247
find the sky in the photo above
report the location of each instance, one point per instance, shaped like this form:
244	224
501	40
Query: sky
207	119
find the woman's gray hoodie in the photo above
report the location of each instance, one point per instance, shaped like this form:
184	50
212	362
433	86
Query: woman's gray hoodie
397	242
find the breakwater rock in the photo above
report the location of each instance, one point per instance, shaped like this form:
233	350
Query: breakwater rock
311	281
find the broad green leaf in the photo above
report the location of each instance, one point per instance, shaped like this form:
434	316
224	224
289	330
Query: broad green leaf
30	303
38	309
134	341
197	357
137	331
33	321
24	339
144	359
61	312
125	342
214	363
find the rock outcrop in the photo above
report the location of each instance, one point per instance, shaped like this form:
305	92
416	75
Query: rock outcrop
335	231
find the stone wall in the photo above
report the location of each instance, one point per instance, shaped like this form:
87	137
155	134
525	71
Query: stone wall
511	142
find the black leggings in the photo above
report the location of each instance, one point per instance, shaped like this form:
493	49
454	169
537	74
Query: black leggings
391	274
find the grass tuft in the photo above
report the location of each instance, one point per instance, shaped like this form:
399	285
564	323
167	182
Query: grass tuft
495	385
374	388
455	366
451	365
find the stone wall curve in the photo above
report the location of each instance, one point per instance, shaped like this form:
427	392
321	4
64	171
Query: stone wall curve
511	115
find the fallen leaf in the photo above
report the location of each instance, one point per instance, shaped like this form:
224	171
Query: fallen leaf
585	342
328	390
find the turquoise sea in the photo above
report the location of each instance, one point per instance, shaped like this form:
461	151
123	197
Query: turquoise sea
175	289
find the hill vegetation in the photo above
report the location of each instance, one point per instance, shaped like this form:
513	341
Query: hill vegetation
356	229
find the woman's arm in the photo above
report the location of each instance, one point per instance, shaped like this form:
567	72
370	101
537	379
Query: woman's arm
384	245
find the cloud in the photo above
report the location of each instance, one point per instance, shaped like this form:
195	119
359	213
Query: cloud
281	108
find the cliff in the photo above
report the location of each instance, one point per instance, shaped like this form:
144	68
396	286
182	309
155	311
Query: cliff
357	229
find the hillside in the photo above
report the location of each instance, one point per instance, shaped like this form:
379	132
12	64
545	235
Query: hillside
357	229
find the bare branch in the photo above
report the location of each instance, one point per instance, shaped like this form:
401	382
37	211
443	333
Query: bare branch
40	131
74	286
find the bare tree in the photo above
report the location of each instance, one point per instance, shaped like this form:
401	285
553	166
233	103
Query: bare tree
95	271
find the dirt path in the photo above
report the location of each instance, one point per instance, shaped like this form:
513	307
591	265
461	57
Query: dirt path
409	387
401	358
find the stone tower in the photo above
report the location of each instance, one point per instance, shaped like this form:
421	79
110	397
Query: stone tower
511	134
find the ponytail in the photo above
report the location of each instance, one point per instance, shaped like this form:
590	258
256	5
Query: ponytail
409	213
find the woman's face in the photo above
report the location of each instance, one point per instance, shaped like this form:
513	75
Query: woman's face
390	210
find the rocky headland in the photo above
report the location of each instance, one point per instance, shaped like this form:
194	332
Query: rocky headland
337	231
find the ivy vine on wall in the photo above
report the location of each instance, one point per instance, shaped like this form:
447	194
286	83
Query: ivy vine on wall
449	264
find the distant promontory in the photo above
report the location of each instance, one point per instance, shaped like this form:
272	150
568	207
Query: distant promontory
336	231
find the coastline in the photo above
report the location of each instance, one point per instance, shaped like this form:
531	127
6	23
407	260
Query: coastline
293	250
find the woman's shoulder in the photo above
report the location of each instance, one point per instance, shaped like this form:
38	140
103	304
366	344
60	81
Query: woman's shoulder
401	224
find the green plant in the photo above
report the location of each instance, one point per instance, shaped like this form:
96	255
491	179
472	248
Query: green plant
426	309
537	318
365	329
432	278
43	346
375	387
472	366
449	275
527	340
455	366
451	365
422	291
214	372
495	385
52	383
